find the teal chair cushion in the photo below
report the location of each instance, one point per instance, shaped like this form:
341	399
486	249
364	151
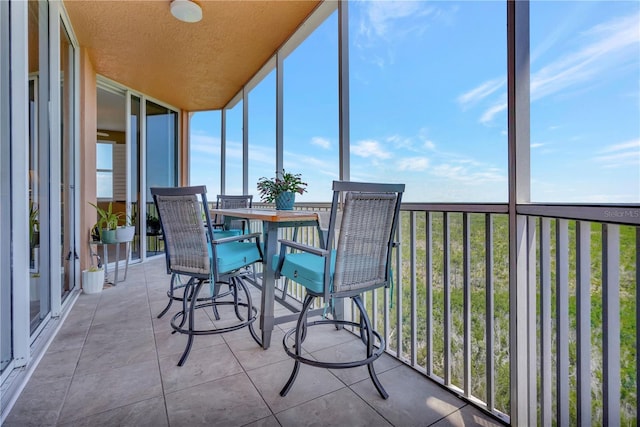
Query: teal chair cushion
306	269
234	255
221	234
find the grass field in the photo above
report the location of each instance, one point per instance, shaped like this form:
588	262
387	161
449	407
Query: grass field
478	286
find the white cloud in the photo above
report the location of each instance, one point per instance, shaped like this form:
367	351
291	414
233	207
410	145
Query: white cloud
429	145
538	144
620	155
613	40
370	148
234	150
468	175
205	144
413	164
488	115
321	142
612	44
381	16
622	146
401	143
481	92
384	24
296	161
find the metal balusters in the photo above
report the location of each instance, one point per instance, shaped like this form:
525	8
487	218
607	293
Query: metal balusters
447	297
429	293
532	329
466	291
398	296
583	327
489	311
546	408
562	321
611	323
414	292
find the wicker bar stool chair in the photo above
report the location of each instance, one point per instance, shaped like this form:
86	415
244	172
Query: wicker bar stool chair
226	228
360	262
193	251
221	229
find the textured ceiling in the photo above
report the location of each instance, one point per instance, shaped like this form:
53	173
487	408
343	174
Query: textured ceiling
198	66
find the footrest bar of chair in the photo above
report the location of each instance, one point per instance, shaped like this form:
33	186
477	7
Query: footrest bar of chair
235	327
333	365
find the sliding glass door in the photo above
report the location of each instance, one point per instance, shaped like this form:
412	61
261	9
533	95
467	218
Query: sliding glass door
68	253
161	164
39	201
6	320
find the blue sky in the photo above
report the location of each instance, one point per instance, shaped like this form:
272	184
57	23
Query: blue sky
428	104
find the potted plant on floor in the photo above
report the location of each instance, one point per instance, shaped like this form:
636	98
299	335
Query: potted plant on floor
282	189
107	223
93	279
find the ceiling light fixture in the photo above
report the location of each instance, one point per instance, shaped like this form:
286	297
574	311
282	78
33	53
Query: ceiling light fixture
186	10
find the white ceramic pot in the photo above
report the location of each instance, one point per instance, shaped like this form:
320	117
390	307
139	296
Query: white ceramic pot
125	234
92	281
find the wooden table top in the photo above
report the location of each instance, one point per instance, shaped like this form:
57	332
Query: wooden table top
270	215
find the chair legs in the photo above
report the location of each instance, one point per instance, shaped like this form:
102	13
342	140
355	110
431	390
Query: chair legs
367	335
191	302
172	288
300	331
191	316
364	318
250	311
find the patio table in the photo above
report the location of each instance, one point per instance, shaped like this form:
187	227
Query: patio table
272	220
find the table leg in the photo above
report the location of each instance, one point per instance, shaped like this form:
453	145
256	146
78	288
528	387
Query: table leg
105	252
127	247
268	282
115	279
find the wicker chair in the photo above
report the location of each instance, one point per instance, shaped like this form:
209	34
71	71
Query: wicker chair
360	262
224	228
220	231
192	251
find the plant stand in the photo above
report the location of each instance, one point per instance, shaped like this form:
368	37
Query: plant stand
105	250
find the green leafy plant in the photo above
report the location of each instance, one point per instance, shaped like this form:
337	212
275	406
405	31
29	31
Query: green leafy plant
130	220
34	223
153	224
270	189
94	269
108	220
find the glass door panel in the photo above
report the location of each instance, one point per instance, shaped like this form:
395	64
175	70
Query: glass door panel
6	321
39	283
111	155
161	165
134	181
67	208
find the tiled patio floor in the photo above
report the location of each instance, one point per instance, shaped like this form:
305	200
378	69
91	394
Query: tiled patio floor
113	363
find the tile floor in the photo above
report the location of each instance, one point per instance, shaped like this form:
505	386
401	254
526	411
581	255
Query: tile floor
113	363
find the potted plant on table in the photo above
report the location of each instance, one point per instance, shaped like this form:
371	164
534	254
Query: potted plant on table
107	223
126	232
282	189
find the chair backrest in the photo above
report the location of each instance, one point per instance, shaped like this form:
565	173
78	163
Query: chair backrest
225	201
186	236
363	249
